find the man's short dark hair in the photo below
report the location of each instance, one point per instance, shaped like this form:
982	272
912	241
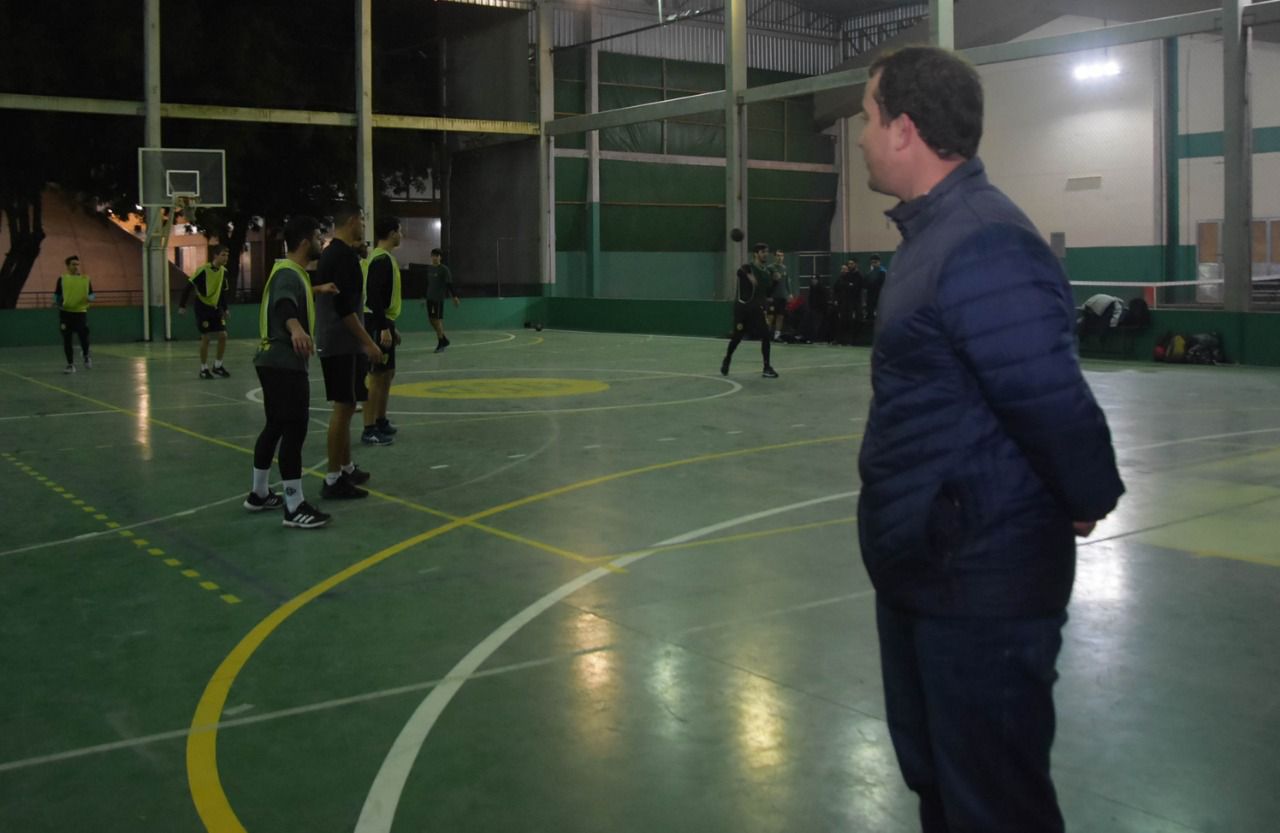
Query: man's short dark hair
875	258
760	247
385	227
435	252
939	90
67	262
343	212
216	250
300	227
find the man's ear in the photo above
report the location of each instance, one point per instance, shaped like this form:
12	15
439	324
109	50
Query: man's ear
902	132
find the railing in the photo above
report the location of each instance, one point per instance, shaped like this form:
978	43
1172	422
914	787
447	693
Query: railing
102	298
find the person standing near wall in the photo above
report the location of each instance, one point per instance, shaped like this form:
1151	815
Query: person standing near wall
844	303
343	345
439	284
874	282
780	294
383	302
210	286
72	294
985	454
754	280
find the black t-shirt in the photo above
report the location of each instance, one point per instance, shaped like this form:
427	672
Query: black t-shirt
378	293
340	265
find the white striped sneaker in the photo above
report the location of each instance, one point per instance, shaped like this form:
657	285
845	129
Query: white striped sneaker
305	516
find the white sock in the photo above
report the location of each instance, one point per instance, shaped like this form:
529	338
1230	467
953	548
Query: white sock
204	367
332	477
292	494
217	362
349	468
260	477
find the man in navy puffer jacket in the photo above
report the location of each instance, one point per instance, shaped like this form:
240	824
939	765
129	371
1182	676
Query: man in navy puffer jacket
985	455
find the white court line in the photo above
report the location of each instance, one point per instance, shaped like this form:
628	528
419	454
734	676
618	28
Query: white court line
1198	439
779	611
173	734
87	536
384	795
46	416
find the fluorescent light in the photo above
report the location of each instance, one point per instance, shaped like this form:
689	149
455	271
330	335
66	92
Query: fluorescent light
1087	72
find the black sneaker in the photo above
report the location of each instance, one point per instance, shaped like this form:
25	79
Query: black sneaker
257	504
343	489
372	436
440	345
205	374
384	426
724	368
221	371
357	476
769	373
305	516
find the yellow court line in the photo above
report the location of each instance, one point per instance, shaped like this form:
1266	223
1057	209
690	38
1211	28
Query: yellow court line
203	778
572	556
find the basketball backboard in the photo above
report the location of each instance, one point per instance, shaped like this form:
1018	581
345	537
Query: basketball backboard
167	176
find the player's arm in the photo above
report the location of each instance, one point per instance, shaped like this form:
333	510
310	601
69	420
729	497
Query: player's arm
448	286
57	294
346	304
92	297
186	294
298	336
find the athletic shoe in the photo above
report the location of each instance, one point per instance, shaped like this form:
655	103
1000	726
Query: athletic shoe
445	342
71	368
257	504
384	426
88	362
343	489
440	345
221	371
205	374
769	373
358	476
724	368
372	436
305	516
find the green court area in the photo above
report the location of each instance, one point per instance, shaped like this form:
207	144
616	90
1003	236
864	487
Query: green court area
597	586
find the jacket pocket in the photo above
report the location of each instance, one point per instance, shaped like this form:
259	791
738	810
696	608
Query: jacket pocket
946	526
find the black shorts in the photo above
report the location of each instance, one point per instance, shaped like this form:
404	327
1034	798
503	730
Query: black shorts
344	378
209	320
435	309
748	320
286	394
778	306
76	322
388	353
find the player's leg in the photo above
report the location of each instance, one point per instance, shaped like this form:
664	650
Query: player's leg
64	328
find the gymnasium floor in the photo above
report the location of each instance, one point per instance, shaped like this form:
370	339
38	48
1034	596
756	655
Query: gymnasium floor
598	588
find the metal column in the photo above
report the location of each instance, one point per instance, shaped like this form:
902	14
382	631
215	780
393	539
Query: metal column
942	23
364	111
1237	147
155	284
546	147
735	150
593	155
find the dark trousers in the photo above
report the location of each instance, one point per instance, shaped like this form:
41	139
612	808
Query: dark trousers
77	323
970	710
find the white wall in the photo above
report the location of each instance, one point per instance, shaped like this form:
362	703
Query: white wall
1200	88
1044	127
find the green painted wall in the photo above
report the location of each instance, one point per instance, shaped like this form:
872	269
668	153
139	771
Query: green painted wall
117	325
1248	338
693	318
1203	145
659	275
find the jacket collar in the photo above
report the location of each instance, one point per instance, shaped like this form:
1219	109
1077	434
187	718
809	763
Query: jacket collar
912	217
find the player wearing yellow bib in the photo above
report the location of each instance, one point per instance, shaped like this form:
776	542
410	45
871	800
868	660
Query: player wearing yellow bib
72	295
383	302
210	286
286	320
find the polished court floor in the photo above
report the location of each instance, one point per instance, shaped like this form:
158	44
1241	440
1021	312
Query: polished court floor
598	587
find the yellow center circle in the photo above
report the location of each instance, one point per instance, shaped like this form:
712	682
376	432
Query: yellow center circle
498	388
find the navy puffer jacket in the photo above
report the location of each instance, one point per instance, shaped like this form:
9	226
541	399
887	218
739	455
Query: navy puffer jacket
984	442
